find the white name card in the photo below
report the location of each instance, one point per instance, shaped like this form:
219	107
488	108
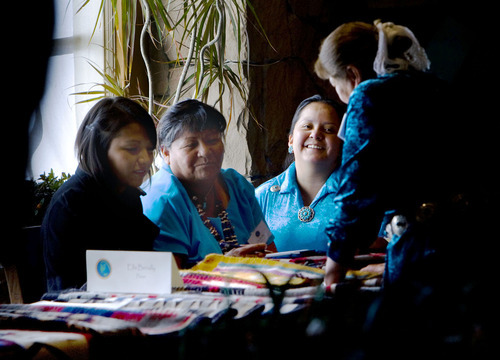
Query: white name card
260	234
148	272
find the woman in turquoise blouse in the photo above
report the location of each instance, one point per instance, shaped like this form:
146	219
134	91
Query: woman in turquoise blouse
199	207
297	203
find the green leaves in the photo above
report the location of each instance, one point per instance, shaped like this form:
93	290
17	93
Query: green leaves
41	192
198	29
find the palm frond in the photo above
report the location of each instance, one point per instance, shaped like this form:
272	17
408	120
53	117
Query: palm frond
200	27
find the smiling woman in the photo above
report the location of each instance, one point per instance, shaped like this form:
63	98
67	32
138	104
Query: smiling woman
297	203
315	145
199	207
99	206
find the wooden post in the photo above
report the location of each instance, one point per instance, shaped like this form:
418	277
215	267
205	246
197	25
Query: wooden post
13	284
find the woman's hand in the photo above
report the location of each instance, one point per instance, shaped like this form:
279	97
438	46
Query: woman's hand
334	272
271	248
375	269
250	250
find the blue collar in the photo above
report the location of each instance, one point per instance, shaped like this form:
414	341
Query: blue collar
290	185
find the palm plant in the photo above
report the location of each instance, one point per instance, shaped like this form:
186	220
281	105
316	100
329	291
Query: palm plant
199	28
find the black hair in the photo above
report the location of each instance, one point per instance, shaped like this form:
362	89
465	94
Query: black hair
339	109
315	98
101	124
191	115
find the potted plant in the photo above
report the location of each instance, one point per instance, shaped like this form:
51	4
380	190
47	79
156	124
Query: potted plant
197	29
40	192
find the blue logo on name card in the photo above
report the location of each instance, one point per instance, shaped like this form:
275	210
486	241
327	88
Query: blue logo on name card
103	268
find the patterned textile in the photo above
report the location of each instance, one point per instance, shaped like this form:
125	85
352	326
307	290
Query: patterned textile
217	292
261	271
311	261
94	318
199	280
30	344
137	315
216	287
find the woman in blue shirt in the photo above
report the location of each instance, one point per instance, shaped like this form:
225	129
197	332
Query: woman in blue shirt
400	154
297	203
199	207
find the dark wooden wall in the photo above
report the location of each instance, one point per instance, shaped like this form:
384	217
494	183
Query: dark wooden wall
460	39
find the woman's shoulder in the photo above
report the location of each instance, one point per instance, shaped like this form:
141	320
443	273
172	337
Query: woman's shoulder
373	86
334	180
394	81
272	185
164	191
78	195
241	190
162	183
78	186
381	90
234	178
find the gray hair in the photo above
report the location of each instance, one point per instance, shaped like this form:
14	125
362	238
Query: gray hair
188	115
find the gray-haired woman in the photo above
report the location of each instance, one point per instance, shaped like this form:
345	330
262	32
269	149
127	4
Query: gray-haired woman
199	207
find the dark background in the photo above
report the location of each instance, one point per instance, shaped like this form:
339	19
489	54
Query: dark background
460	39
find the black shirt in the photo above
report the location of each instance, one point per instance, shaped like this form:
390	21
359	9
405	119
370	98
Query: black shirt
86	214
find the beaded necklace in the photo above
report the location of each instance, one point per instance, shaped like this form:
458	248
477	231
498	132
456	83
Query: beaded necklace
229	240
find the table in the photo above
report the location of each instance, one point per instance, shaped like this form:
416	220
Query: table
227	306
